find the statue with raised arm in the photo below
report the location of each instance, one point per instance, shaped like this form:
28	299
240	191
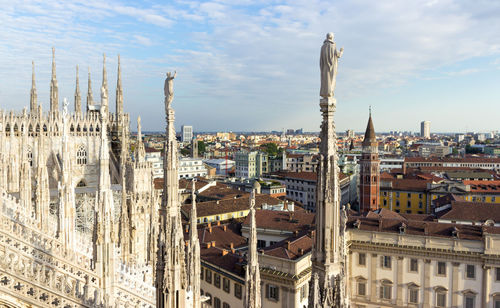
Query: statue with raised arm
328	64
169	89
65	107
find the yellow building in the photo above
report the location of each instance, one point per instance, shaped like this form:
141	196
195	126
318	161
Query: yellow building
407	196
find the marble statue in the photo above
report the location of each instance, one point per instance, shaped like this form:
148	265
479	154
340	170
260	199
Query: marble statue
169	88
328	64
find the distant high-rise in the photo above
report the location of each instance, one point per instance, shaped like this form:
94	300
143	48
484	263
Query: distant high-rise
425	129
186	133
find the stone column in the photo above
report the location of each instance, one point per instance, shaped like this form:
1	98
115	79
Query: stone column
426	284
399	281
373	277
486	285
454	284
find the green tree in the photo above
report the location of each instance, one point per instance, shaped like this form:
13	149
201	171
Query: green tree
202	148
271	149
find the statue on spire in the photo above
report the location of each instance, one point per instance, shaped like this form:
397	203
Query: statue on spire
328	64
169	89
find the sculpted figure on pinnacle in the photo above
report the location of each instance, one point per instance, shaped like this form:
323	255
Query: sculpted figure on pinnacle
169	89
328	64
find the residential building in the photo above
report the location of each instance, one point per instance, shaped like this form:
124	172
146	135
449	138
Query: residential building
155	157
425	129
453	162
191	167
186	133
251	164
301	162
221	165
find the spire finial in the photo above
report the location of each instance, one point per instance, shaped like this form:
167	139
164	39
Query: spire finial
119	90
78	100
89	93
53	63
32	74
33	103
370	110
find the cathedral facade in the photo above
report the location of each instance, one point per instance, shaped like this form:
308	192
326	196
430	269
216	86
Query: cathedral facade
72	198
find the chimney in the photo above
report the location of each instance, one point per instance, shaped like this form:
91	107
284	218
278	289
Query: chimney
224	252
295	233
288	245
213	243
225	228
186	229
301	251
186	243
313	234
209	228
231	245
285	206
208	244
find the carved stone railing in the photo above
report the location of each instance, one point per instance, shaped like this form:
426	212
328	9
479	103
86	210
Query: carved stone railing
135	283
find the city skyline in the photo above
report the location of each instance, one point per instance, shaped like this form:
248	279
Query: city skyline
253	66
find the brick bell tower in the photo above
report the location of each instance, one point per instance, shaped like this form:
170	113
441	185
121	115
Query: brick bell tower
369	179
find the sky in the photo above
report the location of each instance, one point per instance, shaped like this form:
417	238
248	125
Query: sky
253	65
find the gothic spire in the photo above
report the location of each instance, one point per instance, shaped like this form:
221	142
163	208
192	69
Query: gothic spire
140	151
119	90
194	267
252	277
78	98
54	92
328	267
170	269
33	96
89	93
42	193
104	88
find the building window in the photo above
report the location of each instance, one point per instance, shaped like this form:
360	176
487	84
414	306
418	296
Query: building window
225	305
272	292
303	291
385	261
81	156
209	301
397	194
216	302
496	300
409	195
408	204
237	290
414	265
440	297
385	202
413	294
497	274
361	259
385	289
470	300
361	286
217	280
470	271
420	205
226	285
397	203
208	276
201	273
441	268
420	196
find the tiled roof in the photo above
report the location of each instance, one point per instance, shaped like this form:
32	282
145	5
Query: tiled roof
290	248
210	208
453	159
282	220
492	187
471	211
407	184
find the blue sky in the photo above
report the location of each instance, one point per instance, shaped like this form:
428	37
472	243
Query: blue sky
253	65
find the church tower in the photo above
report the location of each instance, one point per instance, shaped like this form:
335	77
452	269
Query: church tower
369	165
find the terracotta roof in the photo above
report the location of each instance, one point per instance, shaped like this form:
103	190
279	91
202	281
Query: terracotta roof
492	187
210	208
222	191
471	211
282	220
446	199
453	159
308	176
407	184
222	235
231	262
183	183
290	248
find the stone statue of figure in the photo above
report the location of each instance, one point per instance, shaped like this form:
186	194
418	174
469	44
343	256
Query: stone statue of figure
169	89
328	64
65	107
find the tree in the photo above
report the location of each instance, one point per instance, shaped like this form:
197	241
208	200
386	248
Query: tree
271	149
201	147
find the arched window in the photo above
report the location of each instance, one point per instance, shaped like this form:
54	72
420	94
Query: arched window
81	156
413	289
440	296
81	184
29	155
385	289
361	286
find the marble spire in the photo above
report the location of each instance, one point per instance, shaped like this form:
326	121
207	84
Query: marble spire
25	178
119	90
140	151
194	265
104	230
90	100
42	192
170	268
78	98
67	211
33	96
54	89
328	265
104	87
252	277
